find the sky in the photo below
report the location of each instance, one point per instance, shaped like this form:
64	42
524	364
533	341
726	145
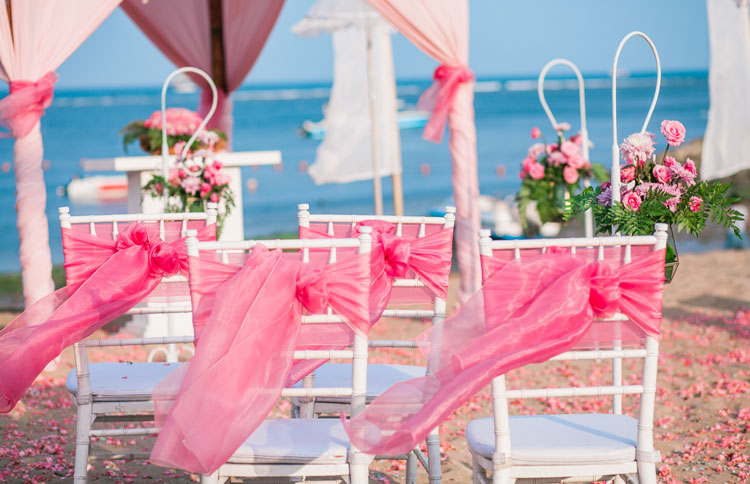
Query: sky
508	38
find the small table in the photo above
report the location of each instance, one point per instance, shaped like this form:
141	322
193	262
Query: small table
140	169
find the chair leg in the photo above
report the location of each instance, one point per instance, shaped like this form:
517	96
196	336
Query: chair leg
210	478
411	468
359	473
434	469
647	473
476	471
83	443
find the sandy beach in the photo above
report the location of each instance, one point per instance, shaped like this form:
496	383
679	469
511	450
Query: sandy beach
702	423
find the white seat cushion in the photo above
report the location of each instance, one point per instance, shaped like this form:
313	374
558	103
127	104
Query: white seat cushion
295	441
560	439
379	377
122	381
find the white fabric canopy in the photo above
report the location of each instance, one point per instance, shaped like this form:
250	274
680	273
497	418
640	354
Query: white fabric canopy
726	145
346	154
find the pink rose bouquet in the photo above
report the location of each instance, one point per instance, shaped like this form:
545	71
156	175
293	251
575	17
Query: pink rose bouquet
181	124
653	192
196	179
552	173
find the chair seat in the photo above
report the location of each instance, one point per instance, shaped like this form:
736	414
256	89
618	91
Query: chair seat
560	439
295	441
379	378
122	381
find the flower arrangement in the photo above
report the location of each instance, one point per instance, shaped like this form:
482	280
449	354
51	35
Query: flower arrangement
181	124
551	173
195	179
657	192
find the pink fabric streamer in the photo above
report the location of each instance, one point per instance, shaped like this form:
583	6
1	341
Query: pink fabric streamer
105	279
25	104
439	98
244	355
525	313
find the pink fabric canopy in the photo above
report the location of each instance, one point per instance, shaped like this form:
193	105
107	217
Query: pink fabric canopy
440	28
36	36
181	29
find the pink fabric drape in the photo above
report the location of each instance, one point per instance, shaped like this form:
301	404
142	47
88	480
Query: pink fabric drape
186	40
244	353
105	279
440	28
38	38
527	312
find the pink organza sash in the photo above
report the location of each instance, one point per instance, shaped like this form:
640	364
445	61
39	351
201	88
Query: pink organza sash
438	98
526	312
249	324
105	279
25	104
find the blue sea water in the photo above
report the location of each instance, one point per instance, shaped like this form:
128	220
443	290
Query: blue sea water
86	124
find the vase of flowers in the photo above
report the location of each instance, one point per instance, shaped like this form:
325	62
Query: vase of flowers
651	191
195	179
181	124
551	173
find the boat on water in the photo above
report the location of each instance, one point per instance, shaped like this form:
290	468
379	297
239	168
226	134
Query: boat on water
97	188
407	119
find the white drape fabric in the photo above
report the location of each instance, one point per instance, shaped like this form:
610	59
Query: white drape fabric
40	35
346	154
726	145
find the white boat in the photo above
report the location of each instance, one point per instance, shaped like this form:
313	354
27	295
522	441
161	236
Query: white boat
98	188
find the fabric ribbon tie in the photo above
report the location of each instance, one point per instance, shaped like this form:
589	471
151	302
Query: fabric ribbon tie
312	289
605	291
397	251
25	104
438	98
163	258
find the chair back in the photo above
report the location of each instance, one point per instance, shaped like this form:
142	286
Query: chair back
617	250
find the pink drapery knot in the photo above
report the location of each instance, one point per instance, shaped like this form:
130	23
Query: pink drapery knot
163	258
312	289
397	251
25	104
438	98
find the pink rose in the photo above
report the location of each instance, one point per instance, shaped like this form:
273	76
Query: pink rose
536	171
551	147
214	198
627	173
577	162
577	139
522	174
670	162
662	173
694	204
557	158
631	201
674	131
570	174
562	127
527	162
205	188
569	148
536	150
535	132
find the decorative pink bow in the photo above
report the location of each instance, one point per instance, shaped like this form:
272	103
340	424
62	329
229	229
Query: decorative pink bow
439	98
25	104
163	258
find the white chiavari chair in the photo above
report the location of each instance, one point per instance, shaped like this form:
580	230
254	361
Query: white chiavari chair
303	448
122	391
572	447
381	376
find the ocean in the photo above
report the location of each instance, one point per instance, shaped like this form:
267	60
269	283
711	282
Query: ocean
86	124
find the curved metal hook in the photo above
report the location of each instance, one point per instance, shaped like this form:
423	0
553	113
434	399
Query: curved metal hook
164	145
581	99
588	217
615	148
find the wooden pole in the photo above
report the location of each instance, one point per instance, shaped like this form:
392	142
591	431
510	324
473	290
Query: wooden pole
398	194
218	63
376	181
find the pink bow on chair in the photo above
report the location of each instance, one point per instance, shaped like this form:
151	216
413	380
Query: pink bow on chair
438	98
248	336
25	104
105	279
525	313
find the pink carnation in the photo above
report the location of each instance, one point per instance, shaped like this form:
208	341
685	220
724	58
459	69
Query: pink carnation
674	131
536	171
536	150
694	204
527	162
662	173
535	132
570	149
687	173
690	167
180	121
637	148
632	201
205	188
191	184
627	174
672	203
557	158
570	174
